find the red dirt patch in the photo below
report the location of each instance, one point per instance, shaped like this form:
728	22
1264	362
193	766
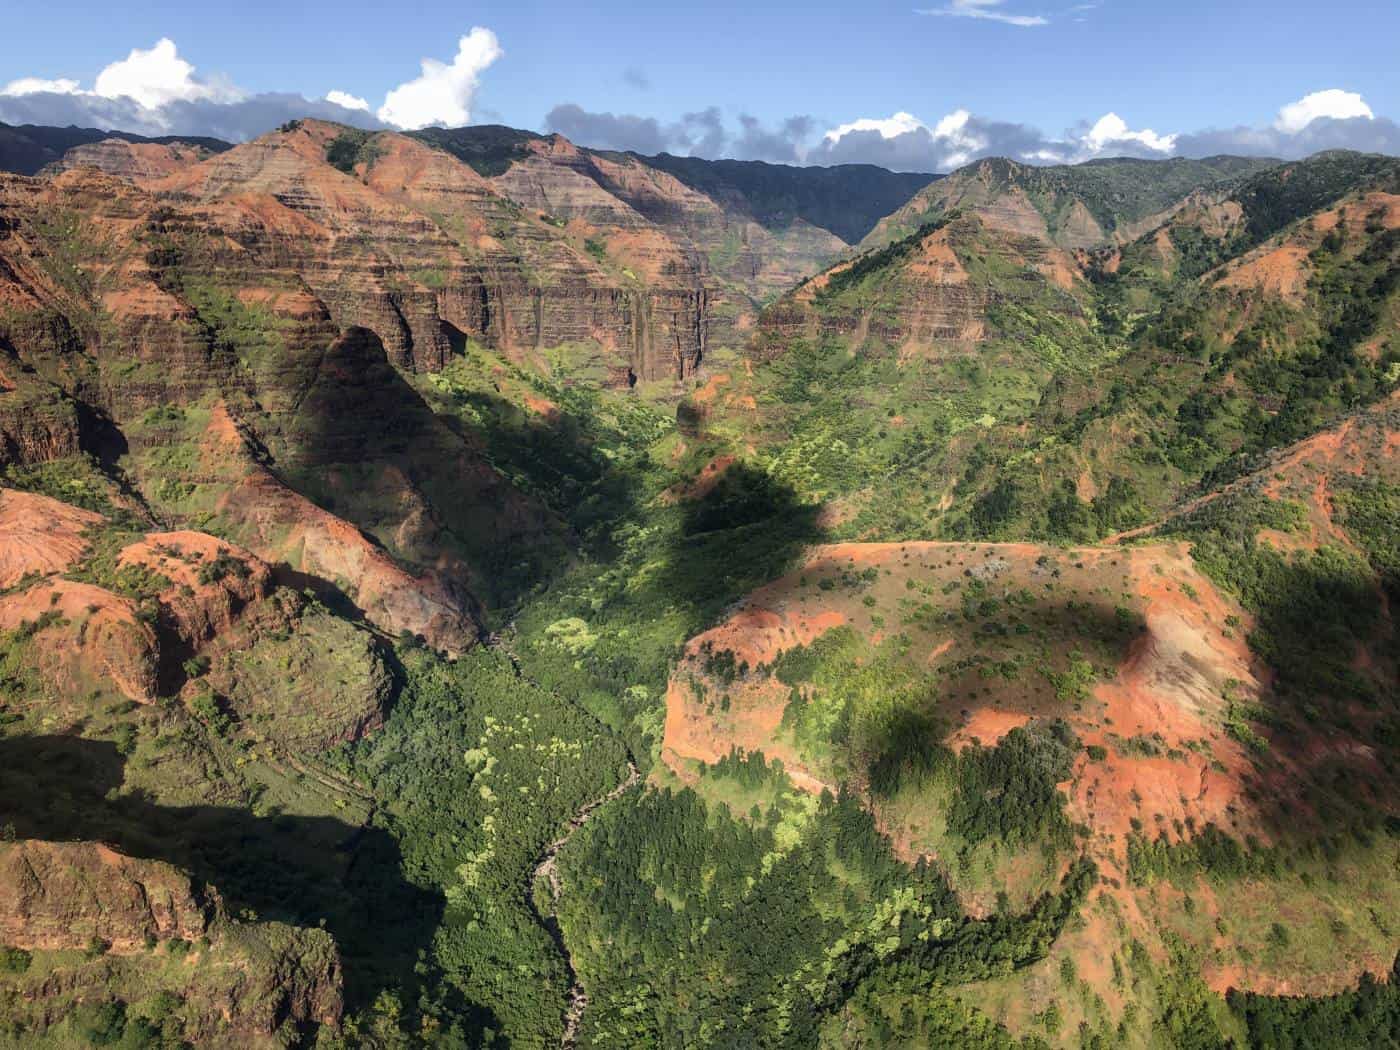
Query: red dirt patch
986	726
98	635
39	535
1282	271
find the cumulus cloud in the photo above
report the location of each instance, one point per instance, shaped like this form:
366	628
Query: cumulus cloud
443	94
989	10
781	145
156	92
904	142
1334	104
636	78
1111	130
156	77
703	133
619	131
150	80
1333	119
888	127
347	100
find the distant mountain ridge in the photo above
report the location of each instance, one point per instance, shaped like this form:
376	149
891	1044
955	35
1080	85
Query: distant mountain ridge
1074	206
846	199
25	149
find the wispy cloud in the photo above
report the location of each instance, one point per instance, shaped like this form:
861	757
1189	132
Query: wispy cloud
990	10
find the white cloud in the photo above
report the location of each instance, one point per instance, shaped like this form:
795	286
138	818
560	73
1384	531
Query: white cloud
37	85
956	134
443	94
1111	130
157	77
888	127
1333	103
349	101
985	9
953	140
156	92
905	142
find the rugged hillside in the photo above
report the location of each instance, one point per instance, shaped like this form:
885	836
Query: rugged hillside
236	314
1207	713
756	229
953	283
168	666
221	377
1004	388
27	148
1075	206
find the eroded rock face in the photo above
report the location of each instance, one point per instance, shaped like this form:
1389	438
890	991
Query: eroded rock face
137	161
59	896
238	987
927	294
211	582
38	423
288	528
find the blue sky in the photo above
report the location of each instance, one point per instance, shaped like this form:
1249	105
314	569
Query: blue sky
1051	70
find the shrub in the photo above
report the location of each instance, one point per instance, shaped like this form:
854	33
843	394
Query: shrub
13	960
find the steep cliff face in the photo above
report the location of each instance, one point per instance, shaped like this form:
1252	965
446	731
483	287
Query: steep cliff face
556	247
62	895
37	421
415	246
127	306
716	236
239	987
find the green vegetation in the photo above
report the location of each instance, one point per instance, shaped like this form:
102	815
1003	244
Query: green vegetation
476	770
1009	791
351	148
486	839
1369	1015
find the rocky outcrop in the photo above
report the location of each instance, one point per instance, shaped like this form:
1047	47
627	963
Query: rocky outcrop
242	985
290	529
314	686
940	287
210	582
84	636
62	896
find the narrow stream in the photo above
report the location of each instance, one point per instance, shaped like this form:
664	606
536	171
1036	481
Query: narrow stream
547	867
